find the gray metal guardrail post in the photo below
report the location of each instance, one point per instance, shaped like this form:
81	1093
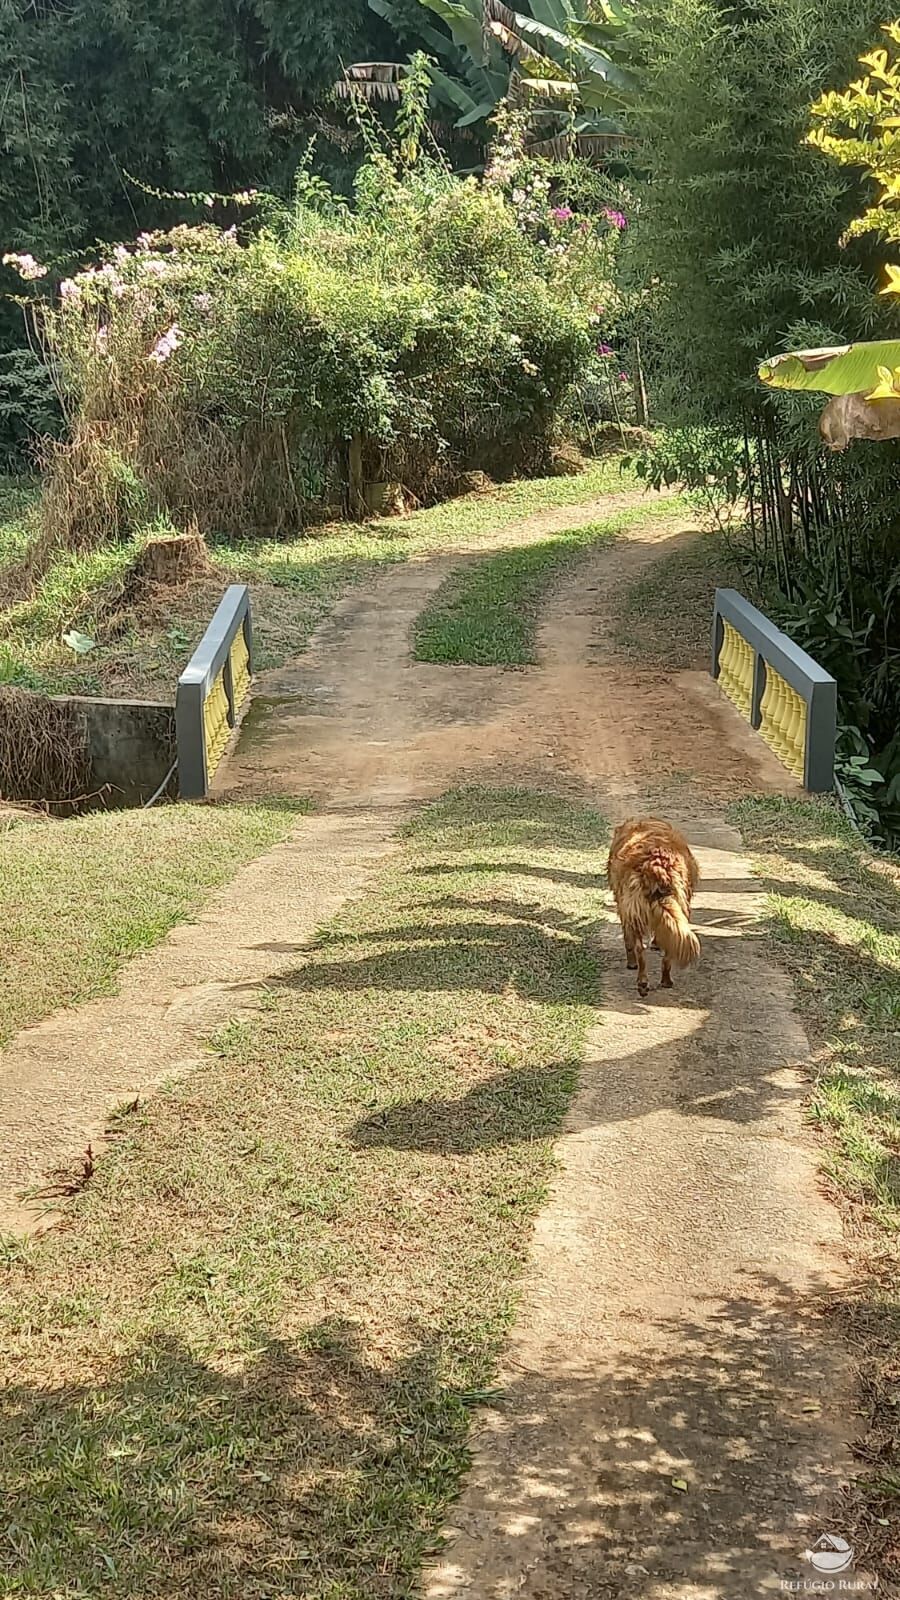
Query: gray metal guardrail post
781	690
212	692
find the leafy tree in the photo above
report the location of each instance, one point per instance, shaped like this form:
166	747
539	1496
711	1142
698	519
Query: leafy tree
737	235
739	215
181	94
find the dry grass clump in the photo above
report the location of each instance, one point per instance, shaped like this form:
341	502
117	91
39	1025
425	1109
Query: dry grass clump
43	748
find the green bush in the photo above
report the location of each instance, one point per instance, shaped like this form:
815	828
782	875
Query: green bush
411	338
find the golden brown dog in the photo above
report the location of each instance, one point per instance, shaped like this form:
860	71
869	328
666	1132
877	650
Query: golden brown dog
653	875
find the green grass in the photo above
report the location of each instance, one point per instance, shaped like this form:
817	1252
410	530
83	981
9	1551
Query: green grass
487	612
248	1366
78	898
833	913
666	615
18	500
295	583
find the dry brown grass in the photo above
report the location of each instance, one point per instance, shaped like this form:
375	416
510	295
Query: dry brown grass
43	748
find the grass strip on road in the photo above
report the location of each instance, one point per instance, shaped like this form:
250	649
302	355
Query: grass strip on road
295	583
833	912
79	897
247	1368
487	612
665	616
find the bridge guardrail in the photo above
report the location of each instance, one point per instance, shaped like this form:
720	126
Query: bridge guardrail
781	690
212	692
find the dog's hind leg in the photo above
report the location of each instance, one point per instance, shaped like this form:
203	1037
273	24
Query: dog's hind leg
630	957
665	981
634	942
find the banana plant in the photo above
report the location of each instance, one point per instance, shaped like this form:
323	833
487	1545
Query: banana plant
552	62
863	380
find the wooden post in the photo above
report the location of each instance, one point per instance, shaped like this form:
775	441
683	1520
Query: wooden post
355	485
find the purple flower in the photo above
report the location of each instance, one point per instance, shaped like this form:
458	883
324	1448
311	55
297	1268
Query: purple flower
616	219
69	289
623	377
203	302
562	213
604	349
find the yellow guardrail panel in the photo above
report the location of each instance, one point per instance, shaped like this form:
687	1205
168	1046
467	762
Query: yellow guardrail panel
785	695
240	670
216	726
736	669
783	721
212	691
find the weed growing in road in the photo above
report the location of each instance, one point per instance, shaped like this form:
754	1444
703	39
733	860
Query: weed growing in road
486	614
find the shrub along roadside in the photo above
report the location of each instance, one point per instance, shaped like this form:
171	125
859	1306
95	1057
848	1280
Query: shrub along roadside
410	339
833	914
249	1362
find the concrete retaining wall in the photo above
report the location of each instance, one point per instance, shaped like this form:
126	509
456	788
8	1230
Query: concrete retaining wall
131	745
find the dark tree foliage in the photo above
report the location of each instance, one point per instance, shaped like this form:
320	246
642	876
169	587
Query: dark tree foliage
184	94
740	218
178	94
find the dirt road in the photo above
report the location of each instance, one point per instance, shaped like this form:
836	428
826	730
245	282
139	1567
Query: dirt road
674	1412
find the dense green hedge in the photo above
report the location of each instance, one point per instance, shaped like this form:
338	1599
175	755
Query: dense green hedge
415	336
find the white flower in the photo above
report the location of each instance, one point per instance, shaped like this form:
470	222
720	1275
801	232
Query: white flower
166	345
25	265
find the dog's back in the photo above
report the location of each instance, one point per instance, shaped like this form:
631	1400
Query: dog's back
653	874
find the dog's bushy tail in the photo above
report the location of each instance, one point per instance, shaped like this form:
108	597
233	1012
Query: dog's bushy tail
673	932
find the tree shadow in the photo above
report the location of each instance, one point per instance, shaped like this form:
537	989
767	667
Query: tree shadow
517	869
697	1453
309	1468
543	957
704	1456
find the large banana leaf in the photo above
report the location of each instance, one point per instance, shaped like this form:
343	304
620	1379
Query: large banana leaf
464	21
429	36
567	50
843	369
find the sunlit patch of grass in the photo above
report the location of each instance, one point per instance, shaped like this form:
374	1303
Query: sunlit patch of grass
248	1365
79	897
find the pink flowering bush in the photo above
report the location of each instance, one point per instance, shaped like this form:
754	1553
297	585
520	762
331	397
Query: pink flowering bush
223	379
